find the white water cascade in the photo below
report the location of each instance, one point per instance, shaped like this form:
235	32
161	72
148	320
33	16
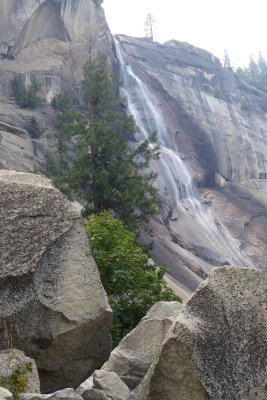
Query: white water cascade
174	179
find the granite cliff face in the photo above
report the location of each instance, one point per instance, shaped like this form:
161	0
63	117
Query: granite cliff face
47	40
213	133
61	19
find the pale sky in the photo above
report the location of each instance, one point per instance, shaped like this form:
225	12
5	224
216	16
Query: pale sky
238	26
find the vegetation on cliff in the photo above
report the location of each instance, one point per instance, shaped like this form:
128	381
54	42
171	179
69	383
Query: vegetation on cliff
132	282
33	127
255	73
17	381
26	97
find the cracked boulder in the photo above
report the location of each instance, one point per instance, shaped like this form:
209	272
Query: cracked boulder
52	303
217	346
139	349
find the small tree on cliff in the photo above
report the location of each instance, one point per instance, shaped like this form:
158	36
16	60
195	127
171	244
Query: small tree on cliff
149	26
226	60
105	170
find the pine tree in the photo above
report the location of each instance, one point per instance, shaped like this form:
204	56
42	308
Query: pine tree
262	66
253	71
104	170
226	60
149	26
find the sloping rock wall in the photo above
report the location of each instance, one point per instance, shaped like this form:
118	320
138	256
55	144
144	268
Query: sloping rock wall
218	125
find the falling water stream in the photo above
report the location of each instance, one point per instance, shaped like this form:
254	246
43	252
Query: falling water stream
174	176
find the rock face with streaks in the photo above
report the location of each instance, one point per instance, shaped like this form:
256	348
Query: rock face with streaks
47	40
217	125
52	303
24	22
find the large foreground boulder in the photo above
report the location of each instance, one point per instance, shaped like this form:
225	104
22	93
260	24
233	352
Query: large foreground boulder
52	303
217	348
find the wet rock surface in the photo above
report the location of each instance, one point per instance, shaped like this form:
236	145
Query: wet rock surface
218	123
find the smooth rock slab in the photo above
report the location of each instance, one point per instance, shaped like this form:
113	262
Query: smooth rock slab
94	394
86	385
139	349
5	394
111	384
52	301
64	394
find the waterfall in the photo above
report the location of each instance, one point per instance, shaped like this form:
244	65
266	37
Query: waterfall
173	174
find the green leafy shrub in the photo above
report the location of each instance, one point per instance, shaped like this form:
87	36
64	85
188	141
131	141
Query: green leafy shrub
133	285
33	128
26	98
17	381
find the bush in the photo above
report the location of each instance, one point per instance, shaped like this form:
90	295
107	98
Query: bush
17	381
61	103
26	98
33	128
132	284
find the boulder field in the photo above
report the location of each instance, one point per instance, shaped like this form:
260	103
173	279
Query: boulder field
215	348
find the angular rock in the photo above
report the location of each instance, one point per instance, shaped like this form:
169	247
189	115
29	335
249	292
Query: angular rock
111	384
52	302
138	350
217	348
11	359
5	394
86	385
95	394
64	394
